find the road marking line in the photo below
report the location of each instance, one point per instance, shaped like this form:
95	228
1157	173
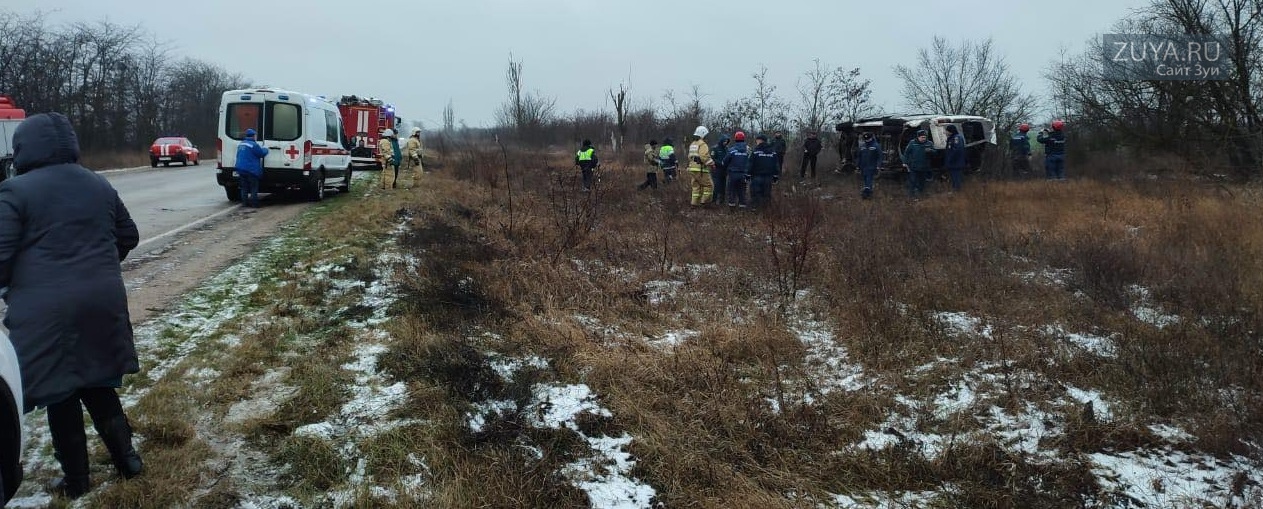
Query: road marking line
188	226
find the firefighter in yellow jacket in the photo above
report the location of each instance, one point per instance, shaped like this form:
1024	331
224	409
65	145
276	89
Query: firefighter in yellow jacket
388	155
412	156
700	164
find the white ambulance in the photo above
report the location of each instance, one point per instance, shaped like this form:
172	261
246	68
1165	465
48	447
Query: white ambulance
303	135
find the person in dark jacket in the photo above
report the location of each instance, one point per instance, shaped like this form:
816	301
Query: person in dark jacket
63	233
738	166
811	151
779	147
250	156
954	159
587	162
668	161
1020	150
869	162
719	174
765	170
1054	151
916	158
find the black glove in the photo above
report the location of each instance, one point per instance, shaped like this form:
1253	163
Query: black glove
697	160
747	178
776	180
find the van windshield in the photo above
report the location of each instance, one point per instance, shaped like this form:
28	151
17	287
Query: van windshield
242	116
284	122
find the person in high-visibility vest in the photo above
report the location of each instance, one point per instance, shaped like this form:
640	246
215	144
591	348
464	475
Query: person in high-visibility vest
700	164
587	162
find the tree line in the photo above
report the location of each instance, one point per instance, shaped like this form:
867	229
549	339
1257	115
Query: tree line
120	86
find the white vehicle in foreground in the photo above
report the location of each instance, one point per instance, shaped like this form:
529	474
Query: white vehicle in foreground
10	421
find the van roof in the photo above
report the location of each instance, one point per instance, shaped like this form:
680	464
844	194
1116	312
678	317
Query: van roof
278	91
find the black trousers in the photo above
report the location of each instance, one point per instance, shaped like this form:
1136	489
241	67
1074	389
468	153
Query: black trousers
65	424
808	158
651	180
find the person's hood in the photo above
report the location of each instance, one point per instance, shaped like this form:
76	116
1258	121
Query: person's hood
45	139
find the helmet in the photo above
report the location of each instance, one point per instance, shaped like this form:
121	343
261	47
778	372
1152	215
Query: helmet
389	133
416	130
701	131
740	136
1057	125
1024	127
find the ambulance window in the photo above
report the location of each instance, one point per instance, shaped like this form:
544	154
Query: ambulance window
331	128
242	116
284	122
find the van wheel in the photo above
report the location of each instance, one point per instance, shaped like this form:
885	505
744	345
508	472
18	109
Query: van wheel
317	191
233	192
346	182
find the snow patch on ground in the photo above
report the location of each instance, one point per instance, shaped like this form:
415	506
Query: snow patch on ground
605	475
963	324
827	360
662	291
1170	478
672	339
269	393
1147	311
1096	345
882	500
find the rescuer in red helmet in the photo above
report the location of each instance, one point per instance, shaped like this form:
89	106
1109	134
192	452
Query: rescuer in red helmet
1054	150
1020	150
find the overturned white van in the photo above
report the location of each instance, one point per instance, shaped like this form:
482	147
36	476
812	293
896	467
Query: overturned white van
303	134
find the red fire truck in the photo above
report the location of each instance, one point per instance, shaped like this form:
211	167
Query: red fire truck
10	117
364	119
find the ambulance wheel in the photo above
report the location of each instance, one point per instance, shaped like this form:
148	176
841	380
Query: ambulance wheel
316	192
233	193
345	186
153	162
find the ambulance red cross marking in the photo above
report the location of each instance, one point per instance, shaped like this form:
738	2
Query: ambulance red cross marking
292	152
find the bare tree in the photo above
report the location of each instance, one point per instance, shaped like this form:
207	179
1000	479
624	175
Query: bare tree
813	91
1214	122
971	78
829	95
619	98
525	112
118	85
449	118
770	112
850	95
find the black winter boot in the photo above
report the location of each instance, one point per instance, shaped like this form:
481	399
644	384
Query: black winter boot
70	447
117	435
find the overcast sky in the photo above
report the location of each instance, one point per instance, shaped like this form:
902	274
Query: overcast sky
419	54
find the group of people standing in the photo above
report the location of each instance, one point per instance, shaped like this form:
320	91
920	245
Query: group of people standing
733	172
392	158
730	171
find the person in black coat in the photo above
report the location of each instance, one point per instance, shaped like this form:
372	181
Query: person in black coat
63	233
811	152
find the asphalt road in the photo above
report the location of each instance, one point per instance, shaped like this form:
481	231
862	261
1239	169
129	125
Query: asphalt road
167	201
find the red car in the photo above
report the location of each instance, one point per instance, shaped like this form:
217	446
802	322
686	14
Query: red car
173	150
